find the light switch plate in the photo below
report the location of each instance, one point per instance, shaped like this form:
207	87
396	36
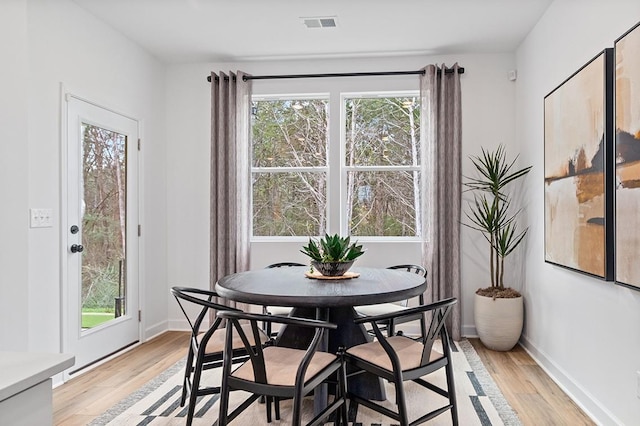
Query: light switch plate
638	387
40	218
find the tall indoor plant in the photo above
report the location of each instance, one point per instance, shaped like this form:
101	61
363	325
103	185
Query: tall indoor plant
498	310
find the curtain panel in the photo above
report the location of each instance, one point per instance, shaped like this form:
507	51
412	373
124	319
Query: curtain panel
441	133
230	208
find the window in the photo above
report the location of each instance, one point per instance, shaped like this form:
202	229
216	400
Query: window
290	165
378	165
382	165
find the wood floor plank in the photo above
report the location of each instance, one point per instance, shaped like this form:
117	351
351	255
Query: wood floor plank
88	395
533	395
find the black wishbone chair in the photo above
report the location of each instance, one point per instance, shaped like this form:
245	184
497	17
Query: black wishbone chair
278	310
206	346
399	359
281	373
390	308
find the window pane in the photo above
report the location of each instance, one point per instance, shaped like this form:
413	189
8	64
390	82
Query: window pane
103	225
382	203
290	133
382	131
289	204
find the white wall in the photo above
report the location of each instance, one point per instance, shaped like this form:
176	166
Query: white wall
584	331
13	176
62	43
488	102
574	324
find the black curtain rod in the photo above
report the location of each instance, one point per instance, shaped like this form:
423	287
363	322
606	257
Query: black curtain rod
343	74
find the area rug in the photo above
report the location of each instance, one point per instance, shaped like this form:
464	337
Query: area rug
480	402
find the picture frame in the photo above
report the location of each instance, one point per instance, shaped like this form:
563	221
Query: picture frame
579	171
627	157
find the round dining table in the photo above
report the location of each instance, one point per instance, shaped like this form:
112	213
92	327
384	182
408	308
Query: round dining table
332	300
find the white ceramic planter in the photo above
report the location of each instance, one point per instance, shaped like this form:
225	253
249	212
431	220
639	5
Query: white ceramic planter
498	321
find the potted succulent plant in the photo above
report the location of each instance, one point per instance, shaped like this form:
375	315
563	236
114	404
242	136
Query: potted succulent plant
498	310
332	255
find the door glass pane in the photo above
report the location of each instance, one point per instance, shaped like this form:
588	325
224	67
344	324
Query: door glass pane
103	225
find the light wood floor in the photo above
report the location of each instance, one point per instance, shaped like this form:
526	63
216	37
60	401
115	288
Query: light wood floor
532	394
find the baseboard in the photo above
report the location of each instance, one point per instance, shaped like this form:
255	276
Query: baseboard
583	399
183	325
469	331
155	330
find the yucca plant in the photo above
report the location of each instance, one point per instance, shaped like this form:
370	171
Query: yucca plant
333	248
490	212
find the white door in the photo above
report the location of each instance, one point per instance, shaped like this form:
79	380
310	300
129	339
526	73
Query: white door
100	236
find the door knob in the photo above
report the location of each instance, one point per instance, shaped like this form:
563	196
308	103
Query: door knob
77	248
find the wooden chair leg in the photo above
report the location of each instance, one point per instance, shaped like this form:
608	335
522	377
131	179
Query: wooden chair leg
402	404
451	389
342	383
187	375
224	397
276	404
268	404
193	396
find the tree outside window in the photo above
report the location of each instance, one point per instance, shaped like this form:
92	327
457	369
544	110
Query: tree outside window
380	168
382	163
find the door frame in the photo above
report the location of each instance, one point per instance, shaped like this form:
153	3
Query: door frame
65	95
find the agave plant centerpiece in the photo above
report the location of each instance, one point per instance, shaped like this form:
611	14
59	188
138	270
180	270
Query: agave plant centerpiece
332	255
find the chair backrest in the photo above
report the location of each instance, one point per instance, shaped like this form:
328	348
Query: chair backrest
437	328
416	269
200	298
439	312
256	352
284	265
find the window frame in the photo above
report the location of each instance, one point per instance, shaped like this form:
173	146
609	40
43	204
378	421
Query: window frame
336	149
288	169
345	169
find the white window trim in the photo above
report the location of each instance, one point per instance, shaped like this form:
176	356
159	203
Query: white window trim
336	200
344	169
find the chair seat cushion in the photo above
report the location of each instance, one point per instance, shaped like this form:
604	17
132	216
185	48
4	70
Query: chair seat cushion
216	342
279	310
281	365
379	309
409	353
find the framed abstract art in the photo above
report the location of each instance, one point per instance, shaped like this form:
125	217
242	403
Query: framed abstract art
627	157
578	170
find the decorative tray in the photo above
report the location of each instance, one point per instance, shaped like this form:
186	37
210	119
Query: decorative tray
318	276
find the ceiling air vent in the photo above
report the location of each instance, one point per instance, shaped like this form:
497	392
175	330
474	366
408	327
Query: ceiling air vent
320	22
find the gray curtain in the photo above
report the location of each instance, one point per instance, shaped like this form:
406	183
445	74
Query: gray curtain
230	176
441	128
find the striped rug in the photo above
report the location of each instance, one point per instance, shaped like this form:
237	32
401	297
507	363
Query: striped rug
480	402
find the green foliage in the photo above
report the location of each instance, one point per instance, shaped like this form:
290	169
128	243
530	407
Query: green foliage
333	248
490	212
90	320
100	286
103	224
